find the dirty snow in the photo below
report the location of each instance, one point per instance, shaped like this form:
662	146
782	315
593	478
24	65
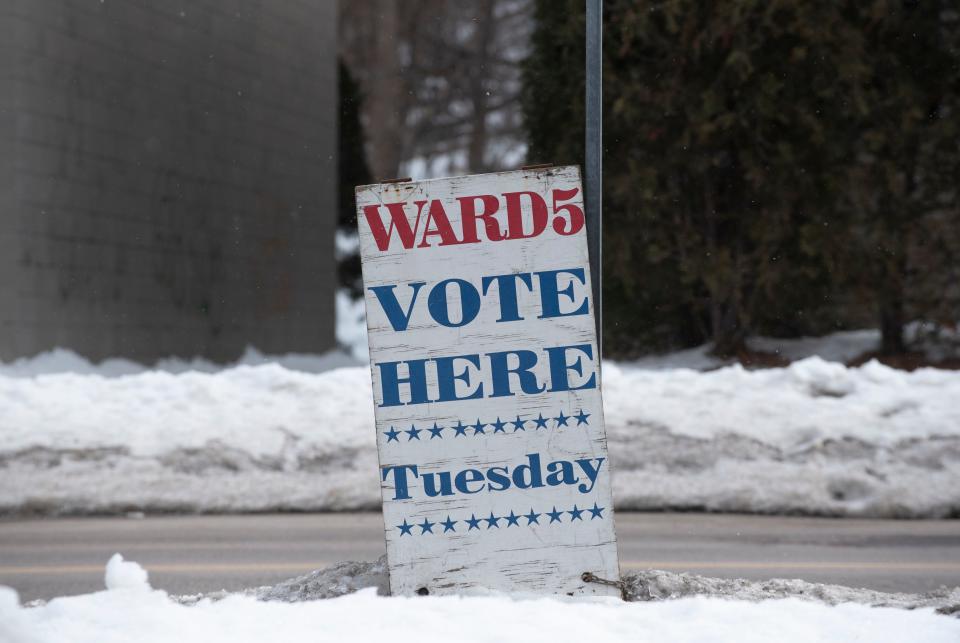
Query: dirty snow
816	437
134	611
640	586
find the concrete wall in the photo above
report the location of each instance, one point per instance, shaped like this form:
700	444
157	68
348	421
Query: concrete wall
167	177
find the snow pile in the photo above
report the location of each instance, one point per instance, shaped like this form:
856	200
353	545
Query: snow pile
142	614
121	574
816	437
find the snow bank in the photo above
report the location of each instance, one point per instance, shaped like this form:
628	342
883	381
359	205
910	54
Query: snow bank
60	361
142	614
352	336
816	437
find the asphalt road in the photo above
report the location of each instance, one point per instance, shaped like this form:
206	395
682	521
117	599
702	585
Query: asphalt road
189	554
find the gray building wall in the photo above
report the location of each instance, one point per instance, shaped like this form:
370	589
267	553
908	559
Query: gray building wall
167	177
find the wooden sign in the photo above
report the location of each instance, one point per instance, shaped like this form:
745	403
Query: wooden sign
486	383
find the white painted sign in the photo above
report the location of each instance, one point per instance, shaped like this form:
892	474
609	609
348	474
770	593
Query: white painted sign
486	383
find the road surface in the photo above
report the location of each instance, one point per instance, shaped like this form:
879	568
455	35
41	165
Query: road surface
44	558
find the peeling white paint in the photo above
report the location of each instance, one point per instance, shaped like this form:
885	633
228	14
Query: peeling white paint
505	538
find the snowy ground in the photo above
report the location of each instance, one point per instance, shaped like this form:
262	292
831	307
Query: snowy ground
663	607
294	432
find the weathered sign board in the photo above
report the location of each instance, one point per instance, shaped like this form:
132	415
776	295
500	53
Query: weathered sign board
486	384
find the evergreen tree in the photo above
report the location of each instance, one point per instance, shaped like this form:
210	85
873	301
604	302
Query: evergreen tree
724	141
904	248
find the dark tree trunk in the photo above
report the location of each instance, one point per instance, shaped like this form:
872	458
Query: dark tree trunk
477	146
729	338
892	309
725	319
387	94
891	325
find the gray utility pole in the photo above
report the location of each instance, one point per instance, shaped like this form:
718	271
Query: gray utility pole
594	158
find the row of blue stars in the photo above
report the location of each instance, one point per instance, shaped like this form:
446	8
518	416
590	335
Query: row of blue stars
480	428
513	520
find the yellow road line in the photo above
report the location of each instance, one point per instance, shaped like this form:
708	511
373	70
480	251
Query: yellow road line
180	545
168	567
178	568
740	564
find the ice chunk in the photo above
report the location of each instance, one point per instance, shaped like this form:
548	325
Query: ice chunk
122	574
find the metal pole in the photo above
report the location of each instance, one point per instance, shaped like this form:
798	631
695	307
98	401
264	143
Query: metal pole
594	158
